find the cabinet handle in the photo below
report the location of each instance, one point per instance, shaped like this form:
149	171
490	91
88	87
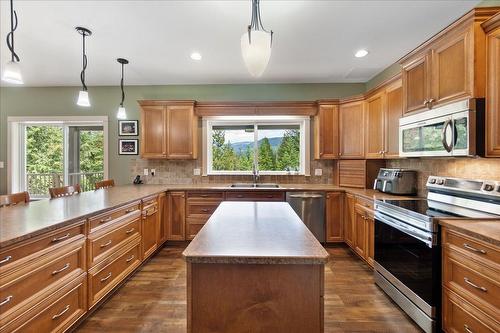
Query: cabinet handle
6	259
108	243
129	210
467	329
468	247
470	283
107	219
130	258
6	300
425	102
65	267
239	196
54	240
204	210
66	308
107	277
270	196
204	195
129	231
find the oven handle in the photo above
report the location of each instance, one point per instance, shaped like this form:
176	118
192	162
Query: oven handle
418	234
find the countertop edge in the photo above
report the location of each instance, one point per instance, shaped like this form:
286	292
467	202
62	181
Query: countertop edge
451	224
248	260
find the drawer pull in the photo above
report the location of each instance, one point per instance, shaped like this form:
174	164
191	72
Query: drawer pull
129	231
61	238
6	259
239	196
204	195
270	196
6	300
65	267
470	283
107	277
108	243
204	210
107	219
467	329
66	308
130	259
130	210
468	247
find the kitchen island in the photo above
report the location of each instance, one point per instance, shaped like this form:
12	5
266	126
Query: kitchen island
255	267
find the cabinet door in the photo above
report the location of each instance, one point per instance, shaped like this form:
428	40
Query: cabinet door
334	215
326	134
150	220
493	94
153	140
351	129
416	84
360	233
374	133
452	69
182	132
394	111
176	216
163	216
349	216
370	240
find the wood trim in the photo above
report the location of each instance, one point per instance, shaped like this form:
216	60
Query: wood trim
383	85
304	108
492	23
164	102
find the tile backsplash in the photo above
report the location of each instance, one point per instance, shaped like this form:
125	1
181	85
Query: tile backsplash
469	168
181	172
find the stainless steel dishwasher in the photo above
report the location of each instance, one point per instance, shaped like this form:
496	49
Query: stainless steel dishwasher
310	207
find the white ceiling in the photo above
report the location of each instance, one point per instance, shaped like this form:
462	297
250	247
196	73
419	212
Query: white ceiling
314	41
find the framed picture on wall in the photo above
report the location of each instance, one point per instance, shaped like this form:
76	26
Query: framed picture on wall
128	127
128	147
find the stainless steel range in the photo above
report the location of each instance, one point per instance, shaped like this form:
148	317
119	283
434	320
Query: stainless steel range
407	248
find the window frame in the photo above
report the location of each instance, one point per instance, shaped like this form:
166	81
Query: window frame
209	122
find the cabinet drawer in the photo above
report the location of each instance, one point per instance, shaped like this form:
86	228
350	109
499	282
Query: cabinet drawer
475	249
128	212
32	249
102	244
477	284
460	316
205	195
106	275
367	203
26	283
151	200
255	196
201	208
193	226
56	314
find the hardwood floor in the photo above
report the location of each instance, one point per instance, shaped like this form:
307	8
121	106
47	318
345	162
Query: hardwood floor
154	299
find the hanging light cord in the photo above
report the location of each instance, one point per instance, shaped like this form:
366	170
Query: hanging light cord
10	35
256	23
121	86
82	74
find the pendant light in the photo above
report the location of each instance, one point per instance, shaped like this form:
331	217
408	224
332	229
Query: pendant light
256	44
122	114
83	95
12	72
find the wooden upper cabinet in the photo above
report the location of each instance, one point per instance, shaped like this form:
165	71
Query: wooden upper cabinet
374	132
182	132
326	132
416	83
394	111
153	140
492	27
169	129
351	130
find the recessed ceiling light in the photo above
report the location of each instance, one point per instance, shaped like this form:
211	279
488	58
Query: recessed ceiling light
361	53
196	56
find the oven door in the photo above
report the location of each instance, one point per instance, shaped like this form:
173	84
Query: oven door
409	258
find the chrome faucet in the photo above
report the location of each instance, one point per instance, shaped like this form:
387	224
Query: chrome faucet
255	173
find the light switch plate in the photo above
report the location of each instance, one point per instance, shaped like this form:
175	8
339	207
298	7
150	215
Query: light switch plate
197	172
153	172
1	165
318	172
146	172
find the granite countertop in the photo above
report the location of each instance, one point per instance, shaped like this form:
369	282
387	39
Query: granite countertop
485	230
255	233
26	221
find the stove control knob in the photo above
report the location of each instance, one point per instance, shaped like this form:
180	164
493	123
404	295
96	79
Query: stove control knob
432	181
440	182
488	187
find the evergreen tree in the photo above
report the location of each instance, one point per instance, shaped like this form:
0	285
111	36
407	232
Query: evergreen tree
288	154
267	160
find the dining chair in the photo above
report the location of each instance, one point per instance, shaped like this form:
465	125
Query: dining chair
14	199
105	183
57	192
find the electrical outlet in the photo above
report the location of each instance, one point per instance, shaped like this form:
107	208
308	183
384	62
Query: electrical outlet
153	172
146	172
1	165
197	172
318	172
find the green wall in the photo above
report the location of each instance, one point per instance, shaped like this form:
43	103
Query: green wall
60	101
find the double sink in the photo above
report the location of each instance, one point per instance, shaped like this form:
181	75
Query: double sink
252	185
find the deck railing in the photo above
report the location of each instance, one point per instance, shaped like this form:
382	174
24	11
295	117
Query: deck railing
38	184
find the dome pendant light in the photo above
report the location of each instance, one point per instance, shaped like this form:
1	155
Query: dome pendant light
12	72
256	44
122	113
83	95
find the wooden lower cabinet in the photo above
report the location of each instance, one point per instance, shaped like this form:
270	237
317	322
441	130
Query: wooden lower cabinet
359	226
360	232
176	216
255	196
334	208
150	228
200	205
370	240
349	216
163	218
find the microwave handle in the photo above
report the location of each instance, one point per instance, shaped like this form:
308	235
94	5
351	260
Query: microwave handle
447	147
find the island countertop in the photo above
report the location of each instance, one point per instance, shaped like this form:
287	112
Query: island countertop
255	233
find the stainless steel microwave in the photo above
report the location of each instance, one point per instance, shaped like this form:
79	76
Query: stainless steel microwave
455	129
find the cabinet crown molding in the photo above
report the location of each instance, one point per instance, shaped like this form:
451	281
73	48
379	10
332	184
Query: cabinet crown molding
163	102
